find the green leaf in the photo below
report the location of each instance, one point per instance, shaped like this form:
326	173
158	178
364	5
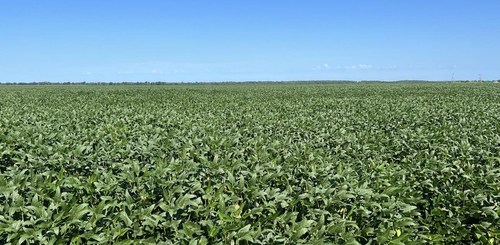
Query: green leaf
78	212
301	228
124	217
245	233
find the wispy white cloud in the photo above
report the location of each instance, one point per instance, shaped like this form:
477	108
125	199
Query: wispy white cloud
322	67
347	67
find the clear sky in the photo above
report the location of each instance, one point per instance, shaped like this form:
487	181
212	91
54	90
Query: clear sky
223	40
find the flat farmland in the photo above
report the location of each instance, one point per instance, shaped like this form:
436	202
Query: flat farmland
366	163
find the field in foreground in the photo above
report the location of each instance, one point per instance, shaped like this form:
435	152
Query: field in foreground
250	164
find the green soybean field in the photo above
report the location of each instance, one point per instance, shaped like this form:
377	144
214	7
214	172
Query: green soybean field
274	163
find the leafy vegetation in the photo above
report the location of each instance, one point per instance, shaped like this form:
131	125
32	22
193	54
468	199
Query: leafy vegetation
250	164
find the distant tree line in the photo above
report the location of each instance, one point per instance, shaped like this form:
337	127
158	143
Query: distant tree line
233	82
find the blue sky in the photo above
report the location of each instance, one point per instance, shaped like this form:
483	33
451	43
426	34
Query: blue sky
215	40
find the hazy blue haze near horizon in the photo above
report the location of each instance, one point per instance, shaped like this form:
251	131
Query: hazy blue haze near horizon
190	41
